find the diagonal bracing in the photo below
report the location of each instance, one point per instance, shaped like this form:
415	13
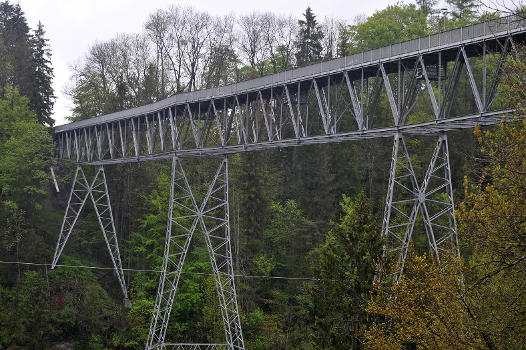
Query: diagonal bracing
98	192
405	199
438	205
213	218
401	206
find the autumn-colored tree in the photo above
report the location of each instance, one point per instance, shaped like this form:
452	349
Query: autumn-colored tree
424	310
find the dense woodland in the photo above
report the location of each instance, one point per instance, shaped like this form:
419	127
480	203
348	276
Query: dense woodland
311	212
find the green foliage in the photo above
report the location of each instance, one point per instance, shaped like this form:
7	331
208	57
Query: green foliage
289	236
345	265
211	324
222	68
463	9
250	177
493	225
253	330
396	23
25	61
25	149
43	308
42	98
281	207
148	240
427	6
26	313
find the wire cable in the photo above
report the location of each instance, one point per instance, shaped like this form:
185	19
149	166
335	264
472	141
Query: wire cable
158	271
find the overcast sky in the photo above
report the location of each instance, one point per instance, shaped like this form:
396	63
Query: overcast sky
73	26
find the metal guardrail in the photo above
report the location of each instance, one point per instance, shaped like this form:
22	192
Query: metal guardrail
451	38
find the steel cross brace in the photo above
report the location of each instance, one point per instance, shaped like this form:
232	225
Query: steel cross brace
213	218
405	198
98	192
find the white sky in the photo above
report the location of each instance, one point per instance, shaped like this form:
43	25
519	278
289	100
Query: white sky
72	26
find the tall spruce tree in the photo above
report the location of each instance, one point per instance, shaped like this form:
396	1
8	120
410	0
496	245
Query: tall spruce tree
345	268
309	40
25	61
14	33
427	6
344	38
463	9
42	98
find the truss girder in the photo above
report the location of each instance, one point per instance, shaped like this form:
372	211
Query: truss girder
329	102
212	217
98	192
313	103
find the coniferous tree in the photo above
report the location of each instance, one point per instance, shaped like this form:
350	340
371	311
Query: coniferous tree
42	98
462	9
14	33
25	61
344	38
309	39
345	268
427	6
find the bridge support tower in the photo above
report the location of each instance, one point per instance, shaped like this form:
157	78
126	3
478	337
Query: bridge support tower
406	198
98	192
212	216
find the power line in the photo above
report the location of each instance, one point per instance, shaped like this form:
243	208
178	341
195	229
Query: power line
158	271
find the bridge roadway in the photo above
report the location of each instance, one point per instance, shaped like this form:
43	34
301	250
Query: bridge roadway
342	94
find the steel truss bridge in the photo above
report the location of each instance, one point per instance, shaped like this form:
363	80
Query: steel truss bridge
333	101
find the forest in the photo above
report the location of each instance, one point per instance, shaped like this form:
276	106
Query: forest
305	221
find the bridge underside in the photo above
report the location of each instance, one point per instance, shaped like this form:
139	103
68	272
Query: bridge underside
403	89
418	129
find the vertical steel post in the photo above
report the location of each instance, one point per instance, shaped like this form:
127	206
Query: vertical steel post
401	207
214	220
101	203
77	198
179	232
439	213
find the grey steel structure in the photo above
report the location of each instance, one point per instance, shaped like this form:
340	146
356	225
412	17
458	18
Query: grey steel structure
329	102
98	192
212	215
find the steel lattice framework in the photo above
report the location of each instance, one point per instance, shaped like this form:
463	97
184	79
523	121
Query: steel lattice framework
333	101
212	215
98	192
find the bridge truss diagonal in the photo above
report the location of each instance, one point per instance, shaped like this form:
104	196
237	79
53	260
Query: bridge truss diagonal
333	101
